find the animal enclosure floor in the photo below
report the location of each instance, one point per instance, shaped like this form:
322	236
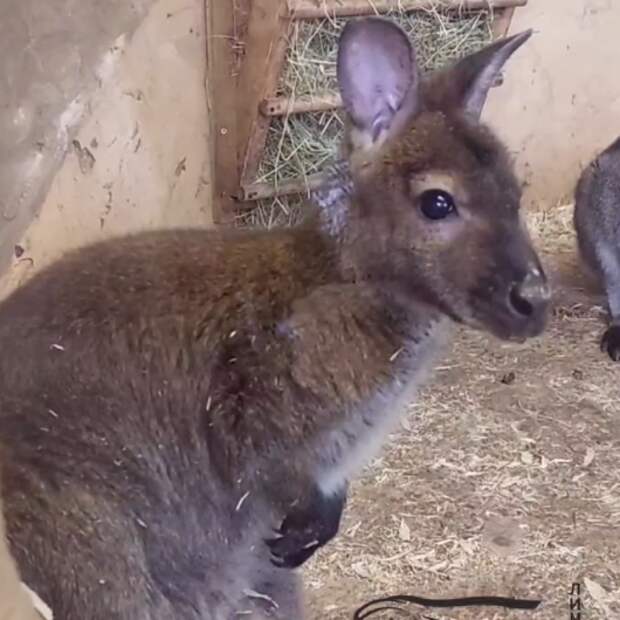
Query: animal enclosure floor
504	479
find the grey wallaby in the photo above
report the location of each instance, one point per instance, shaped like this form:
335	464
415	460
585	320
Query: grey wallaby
597	222
181	411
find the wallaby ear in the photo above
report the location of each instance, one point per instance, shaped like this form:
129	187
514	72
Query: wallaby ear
466	84
377	76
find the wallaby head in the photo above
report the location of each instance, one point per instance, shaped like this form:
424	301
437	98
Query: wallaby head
434	203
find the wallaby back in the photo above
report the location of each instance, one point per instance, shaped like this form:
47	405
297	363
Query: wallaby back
169	398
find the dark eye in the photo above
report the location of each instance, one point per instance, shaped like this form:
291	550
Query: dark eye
436	204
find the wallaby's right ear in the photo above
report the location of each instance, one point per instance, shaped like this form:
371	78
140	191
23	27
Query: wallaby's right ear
465	84
378	78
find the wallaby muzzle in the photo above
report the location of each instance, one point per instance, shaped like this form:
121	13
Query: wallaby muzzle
513	300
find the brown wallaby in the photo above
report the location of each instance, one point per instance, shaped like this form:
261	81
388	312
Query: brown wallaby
597	222
170	398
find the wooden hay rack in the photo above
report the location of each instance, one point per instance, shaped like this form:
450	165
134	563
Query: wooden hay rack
247	47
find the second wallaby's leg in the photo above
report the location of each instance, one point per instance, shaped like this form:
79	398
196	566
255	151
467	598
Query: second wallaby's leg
610	263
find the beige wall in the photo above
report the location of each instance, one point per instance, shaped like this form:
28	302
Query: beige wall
146	132
560	101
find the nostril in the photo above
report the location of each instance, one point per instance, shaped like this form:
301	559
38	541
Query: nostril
519	303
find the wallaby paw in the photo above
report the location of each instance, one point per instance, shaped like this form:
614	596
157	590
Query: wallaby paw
304	530
611	342
292	546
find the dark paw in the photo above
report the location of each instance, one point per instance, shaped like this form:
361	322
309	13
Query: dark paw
291	549
304	530
611	342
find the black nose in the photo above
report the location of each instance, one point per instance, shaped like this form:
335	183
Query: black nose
531	295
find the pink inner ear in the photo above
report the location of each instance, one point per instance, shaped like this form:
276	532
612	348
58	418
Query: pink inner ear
376	71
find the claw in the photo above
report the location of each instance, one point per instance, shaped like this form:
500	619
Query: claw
276	560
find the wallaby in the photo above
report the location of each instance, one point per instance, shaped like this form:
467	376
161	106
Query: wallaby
169	399
597	222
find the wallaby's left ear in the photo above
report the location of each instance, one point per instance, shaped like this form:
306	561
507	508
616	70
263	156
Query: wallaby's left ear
465	85
378	78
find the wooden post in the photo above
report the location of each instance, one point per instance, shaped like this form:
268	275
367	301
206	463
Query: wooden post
282	106
501	22
302	185
316	9
265	51
222	55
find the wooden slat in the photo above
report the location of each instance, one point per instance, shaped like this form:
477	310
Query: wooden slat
281	106
265	52
302	185
315	9
222	97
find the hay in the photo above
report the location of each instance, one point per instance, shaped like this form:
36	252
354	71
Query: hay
302	144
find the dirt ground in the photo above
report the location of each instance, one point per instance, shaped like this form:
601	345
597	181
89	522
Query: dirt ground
504	480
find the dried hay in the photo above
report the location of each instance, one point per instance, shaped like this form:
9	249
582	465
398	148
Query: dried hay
302	144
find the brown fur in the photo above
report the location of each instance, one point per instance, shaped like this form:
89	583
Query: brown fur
166	398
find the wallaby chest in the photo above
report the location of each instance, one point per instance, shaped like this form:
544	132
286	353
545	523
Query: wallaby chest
365	364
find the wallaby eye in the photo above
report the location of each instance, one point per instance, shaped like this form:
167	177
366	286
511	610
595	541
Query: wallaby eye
436	204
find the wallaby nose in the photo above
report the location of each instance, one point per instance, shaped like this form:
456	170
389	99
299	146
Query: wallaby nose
530	296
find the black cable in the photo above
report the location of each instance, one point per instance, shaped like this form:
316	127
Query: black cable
471	601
